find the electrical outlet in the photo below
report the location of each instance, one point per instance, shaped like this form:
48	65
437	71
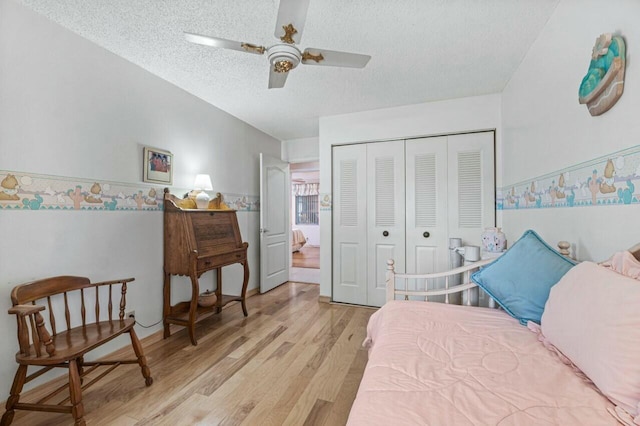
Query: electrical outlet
130	314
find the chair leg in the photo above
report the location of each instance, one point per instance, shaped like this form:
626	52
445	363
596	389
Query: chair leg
75	393
80	363
14	396
142	360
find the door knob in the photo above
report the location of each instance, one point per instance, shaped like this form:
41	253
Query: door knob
426	234
385	233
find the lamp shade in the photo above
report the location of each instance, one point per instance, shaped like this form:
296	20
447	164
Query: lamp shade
203	182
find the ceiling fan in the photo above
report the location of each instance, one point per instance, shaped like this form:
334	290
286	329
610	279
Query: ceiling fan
285	56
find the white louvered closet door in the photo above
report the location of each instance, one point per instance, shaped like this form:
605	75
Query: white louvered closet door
471	180
426	205
403	200
385	215
350	224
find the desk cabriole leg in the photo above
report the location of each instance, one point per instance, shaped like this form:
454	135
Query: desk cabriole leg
193	308
219	290
166	307
245	264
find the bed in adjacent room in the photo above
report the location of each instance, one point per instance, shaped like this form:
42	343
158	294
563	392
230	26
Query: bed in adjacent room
298	240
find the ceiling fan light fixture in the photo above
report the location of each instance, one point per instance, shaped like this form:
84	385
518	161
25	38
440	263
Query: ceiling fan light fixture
284	57
283	66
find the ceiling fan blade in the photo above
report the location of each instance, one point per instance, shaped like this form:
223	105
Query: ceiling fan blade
294	13
277	79
333	58
224	43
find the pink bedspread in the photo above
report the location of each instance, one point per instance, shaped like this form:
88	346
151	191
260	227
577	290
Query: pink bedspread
436	364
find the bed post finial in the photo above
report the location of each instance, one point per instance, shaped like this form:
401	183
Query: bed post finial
391	280
565	247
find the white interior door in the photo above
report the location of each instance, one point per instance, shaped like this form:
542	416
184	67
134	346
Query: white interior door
426	205
275	225
471	185
385	215
350	224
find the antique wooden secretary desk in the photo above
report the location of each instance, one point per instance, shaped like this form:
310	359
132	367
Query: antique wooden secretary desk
197	241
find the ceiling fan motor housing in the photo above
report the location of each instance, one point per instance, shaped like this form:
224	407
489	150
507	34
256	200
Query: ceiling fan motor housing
284	57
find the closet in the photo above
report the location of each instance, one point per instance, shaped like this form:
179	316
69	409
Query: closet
402	200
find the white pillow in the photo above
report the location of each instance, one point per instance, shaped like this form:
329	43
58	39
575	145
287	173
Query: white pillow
593	317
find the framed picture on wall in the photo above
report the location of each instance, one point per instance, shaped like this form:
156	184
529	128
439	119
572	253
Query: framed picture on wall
157	166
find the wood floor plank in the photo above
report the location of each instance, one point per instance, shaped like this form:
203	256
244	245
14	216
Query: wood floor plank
329	376
319	413
306	257
273	379
347	393
292	361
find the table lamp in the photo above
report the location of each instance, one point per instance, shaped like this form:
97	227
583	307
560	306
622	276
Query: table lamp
202	184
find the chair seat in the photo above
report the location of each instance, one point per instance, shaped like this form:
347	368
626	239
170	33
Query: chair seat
77	341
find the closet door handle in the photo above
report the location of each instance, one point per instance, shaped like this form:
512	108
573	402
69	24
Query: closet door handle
426	234
385	233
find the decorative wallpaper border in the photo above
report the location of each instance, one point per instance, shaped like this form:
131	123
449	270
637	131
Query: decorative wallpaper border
612	179
325	202
31	191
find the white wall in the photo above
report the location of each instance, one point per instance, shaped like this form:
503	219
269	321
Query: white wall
435	118
71	108
301	150
545	129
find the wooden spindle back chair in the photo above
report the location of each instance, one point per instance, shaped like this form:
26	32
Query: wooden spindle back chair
64	344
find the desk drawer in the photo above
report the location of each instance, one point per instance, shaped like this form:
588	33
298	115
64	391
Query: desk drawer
220	259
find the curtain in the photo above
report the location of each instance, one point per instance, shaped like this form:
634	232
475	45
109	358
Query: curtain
306	189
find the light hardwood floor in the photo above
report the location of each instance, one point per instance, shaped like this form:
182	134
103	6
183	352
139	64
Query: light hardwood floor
306	257
293	361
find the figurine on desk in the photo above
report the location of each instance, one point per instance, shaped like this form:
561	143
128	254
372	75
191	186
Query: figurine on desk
196	241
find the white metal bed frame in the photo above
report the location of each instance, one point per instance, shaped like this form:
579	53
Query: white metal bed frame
465	285
464	272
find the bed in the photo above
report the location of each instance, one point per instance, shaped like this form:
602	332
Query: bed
444	364
298	240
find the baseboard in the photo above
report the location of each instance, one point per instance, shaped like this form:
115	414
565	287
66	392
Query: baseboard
324	299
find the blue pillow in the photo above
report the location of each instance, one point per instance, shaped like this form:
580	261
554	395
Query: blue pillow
520	279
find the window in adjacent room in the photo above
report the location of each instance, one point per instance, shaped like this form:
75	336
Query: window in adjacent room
306	209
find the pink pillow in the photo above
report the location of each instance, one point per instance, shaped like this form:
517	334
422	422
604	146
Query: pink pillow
623	262
593	317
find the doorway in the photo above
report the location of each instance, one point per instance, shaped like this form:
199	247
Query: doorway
305	228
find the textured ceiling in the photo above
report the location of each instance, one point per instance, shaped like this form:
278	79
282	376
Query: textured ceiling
422	50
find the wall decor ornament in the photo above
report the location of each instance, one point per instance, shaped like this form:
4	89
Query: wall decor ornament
157	166
604	83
